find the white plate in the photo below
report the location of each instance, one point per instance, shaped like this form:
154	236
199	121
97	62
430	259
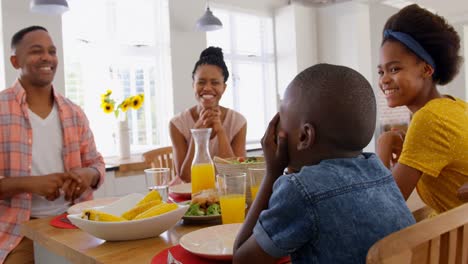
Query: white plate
215	242
128	230
79	207
181	189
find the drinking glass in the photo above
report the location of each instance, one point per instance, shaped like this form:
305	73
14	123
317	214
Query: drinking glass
255	177
231	188
159	181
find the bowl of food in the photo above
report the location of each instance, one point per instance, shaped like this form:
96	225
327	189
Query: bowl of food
204	208
134	216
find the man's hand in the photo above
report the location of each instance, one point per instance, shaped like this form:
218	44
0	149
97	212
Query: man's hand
49	185
275	148
81	180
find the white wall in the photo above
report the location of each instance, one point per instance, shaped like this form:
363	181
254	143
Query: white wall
15	16
286	55
306	36
344	36
296	42
457	87
186	46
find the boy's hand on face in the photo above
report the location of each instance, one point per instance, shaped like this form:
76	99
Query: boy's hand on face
275	148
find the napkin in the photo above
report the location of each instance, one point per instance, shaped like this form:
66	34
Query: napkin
61	221
179	198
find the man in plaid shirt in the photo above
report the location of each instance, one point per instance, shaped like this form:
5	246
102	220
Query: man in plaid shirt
48	158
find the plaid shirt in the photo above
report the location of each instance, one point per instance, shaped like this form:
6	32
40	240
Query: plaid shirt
79	151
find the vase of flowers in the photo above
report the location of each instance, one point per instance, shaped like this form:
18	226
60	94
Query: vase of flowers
122	133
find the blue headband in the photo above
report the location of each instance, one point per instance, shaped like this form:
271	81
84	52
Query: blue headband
412	44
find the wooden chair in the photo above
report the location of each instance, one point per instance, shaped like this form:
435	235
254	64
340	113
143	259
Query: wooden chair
160	158
441	239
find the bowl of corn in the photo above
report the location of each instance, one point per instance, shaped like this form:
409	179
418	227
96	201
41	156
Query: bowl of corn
134	216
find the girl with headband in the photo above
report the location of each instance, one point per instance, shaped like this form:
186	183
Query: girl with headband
419	51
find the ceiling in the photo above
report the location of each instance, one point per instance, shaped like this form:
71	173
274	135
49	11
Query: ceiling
453	10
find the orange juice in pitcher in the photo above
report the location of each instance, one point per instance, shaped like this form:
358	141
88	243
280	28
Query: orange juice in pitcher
203	172
203	177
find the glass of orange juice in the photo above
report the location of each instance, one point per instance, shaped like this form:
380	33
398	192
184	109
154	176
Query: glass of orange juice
231	188
255	177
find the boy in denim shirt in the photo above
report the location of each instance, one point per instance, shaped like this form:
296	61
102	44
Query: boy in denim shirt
338	201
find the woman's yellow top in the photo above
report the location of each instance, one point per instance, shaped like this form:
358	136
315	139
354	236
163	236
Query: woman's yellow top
437	145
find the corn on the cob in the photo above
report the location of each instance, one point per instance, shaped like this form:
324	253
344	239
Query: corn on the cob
153	195
156	210
130	214
99	216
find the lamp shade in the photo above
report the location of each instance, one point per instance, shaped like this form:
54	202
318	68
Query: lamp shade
49	6
209	22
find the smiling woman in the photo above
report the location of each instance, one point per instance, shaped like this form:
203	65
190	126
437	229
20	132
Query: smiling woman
228	126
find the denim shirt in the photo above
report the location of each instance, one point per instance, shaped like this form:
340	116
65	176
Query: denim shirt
332	212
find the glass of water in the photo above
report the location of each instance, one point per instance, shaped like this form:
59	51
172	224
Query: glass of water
158	179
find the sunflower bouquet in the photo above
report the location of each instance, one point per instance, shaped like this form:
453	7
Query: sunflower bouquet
108	104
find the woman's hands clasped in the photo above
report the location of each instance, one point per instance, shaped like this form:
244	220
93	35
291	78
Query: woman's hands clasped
210	118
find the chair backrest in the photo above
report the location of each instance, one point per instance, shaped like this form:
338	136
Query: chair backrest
442	239
160	158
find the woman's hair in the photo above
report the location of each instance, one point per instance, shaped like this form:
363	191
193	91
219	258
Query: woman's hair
212	56
434	34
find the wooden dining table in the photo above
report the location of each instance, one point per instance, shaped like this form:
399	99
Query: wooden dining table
55	245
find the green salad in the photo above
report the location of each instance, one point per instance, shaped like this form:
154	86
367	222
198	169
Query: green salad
195	210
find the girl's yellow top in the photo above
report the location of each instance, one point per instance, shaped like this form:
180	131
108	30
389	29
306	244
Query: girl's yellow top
437	145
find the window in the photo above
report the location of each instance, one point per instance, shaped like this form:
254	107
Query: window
108	47
247	43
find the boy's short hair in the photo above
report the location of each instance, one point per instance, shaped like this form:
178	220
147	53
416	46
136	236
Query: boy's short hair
340	103
18	36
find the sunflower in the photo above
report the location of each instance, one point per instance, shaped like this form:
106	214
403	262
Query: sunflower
107	107
137	101
106	95
125	105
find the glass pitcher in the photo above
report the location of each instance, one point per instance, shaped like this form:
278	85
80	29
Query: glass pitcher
203	172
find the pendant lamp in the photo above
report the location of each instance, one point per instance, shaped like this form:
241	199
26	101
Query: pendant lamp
51	7
208	21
